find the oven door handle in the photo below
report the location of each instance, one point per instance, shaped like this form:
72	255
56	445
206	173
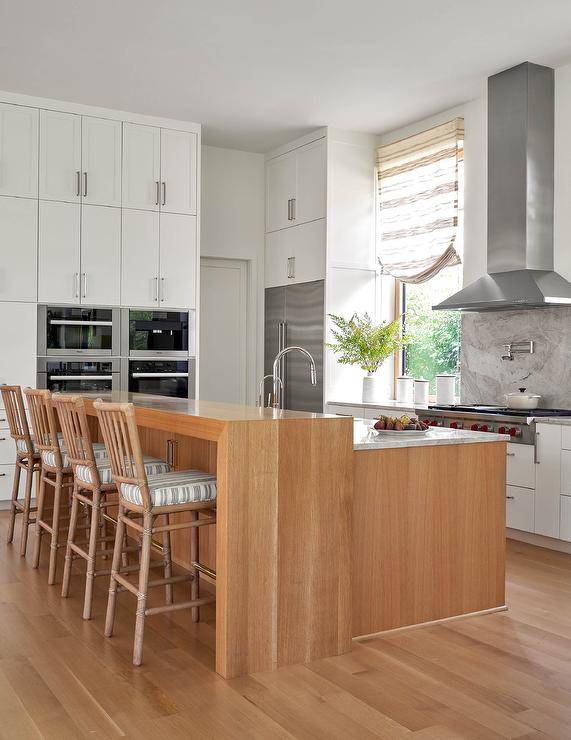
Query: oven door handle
72	322
159	375
80	377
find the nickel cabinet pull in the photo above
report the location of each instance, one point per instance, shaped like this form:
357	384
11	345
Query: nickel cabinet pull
291	268
293	201
157	192
510	454
76	284
78	183
510	497
536	449
85	285
85	184
164	201
163	291
289	209
156	283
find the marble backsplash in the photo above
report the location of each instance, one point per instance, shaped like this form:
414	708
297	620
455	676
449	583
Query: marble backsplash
485	377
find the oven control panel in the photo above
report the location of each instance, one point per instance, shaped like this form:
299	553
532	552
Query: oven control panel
518	432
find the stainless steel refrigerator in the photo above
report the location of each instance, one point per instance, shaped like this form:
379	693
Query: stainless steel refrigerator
294	315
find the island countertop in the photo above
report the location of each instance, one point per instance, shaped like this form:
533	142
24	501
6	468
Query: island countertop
365	439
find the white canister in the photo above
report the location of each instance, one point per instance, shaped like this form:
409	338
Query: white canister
445	390
405	389
421	391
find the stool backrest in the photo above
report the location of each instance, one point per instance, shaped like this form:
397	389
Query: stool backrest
75	429
44	424
121	437
17	421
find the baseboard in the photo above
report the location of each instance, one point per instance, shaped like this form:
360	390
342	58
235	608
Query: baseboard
539	540
383	633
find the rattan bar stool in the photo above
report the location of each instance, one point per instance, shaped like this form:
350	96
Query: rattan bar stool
92	485
147	498
27	458
56	472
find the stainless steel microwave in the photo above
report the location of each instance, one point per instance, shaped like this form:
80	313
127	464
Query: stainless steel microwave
82	330
157	333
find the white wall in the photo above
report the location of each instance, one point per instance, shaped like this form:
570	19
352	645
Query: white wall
233	227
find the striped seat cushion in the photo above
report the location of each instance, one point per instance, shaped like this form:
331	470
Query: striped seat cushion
177	487
21	443
49	457
153	466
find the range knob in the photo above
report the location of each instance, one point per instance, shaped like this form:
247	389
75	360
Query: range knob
434	423
484	428
453	425
513	432
474	427
502	430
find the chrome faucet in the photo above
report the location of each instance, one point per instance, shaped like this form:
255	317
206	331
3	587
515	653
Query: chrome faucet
512	348
278	386
260	398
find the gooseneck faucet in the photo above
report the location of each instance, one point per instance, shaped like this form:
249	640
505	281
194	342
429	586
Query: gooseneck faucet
277	388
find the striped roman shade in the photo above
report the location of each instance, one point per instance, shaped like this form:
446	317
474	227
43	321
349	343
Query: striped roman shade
418	196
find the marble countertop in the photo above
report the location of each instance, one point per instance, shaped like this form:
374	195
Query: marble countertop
205	409
365	439
388	404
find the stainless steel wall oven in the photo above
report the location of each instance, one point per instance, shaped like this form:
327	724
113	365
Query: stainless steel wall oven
161	377
65	330
151	333
73	374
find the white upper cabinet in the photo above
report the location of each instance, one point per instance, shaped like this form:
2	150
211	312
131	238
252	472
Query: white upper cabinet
310	198
296	187
19	151
280	191
59	252
178	172
18	230
100	256
60	156
177	284
141	166
101	161
295	255
140	259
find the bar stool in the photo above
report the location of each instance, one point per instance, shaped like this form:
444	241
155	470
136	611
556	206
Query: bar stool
146	498
92	485
27	458
56	472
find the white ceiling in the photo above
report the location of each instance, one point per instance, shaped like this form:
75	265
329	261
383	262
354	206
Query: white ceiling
259	72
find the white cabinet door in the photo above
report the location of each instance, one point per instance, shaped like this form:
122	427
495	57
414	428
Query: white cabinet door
59	266
178	171
60	156
18	324
100	255
355	411
140	259
310	195
280	189
101	161
141	166
278	251
548	480
177	287
308	250
519	508
18	150
520	465
19	248
565	518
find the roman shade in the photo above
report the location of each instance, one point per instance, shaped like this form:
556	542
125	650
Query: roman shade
418	196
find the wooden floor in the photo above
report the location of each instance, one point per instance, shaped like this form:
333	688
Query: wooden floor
504	675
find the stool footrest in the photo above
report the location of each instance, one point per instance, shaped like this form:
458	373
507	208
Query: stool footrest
180	605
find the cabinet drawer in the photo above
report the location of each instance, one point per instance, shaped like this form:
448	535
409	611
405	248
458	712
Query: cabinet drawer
566	437
7	448
7	480
519	508
565	519
356	411
520	466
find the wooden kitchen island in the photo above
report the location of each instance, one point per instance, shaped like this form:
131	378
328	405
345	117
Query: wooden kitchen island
324	532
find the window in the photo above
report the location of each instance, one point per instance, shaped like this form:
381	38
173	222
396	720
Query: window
421	235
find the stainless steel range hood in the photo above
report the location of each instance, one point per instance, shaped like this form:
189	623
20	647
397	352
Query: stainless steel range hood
520	197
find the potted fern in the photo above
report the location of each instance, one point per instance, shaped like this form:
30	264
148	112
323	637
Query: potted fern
358	341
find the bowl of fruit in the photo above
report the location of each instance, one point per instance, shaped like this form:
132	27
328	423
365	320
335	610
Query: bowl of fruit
410	426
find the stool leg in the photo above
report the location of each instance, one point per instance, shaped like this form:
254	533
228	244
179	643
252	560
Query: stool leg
119	534
70	539
15	490
27	505
92	554
143	584
194	586
39	518
55	529
168	561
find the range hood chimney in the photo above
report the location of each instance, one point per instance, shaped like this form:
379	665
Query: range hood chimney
521	104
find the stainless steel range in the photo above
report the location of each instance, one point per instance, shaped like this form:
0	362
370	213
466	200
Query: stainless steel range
520	425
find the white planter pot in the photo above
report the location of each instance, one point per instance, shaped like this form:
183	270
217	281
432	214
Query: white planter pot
374	390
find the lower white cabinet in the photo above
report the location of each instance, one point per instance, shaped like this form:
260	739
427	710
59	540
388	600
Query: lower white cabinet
7	481
18	325
295	255
520	469
520	508
565	518
548	479
19	240
7	448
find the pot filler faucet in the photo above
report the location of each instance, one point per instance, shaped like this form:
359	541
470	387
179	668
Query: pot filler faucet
277	380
